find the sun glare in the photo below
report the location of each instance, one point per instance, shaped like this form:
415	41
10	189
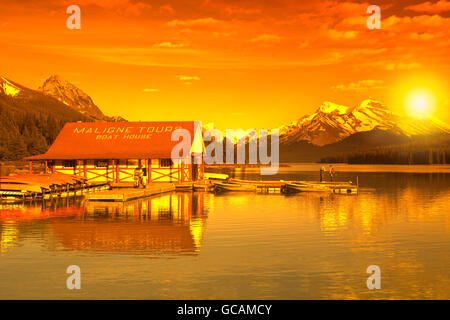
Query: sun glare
419	103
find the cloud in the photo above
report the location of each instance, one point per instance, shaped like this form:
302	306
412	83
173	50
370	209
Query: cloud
126	7
403	66
150	90
421	36
422	22
361	85
201	22
184	78
187	80
167	8
266	38
168	44
339	35
429	7
234	10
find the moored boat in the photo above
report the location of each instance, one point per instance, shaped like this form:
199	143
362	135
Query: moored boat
344	188
205	185
230	186
187	186
304	187
258	183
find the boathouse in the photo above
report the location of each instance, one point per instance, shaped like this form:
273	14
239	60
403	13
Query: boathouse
111	151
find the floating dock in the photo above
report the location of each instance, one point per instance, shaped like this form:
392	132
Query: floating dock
288	186
49	186
126	194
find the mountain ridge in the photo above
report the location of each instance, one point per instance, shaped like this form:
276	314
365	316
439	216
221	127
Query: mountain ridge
332	123
72	96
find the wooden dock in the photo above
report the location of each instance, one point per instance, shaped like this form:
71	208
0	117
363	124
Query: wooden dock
126	194
55	192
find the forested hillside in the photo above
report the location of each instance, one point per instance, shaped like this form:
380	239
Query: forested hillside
429	150
29	124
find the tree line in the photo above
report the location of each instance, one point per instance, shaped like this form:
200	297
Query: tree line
23	134
433	150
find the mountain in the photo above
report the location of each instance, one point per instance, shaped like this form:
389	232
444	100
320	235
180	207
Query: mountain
30	120
17	98
336	130
72	96
8	88
332	123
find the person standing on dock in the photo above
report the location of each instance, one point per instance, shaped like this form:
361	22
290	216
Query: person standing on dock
332	173
137	177
144	177
322	171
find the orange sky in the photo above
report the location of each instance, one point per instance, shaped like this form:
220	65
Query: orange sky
235	63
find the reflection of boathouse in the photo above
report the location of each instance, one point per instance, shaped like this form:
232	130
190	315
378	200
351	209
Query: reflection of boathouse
111	151
169	224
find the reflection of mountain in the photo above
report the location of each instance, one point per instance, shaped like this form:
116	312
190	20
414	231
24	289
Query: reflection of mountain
170	224
8	236
392	198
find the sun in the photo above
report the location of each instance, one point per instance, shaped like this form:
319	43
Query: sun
420	103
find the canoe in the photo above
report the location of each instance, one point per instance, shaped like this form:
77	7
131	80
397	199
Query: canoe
199	186
215	176
328	185
314	187
303	187
324	182
20	186
258	183
184	186
226	186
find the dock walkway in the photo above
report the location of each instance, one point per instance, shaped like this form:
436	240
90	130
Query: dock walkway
126	194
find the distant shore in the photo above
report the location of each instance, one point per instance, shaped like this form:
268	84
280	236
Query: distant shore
246	165
14	167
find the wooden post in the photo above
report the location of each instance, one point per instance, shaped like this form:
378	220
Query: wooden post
30	167
113	164
118	170
357	184
45	167
149	172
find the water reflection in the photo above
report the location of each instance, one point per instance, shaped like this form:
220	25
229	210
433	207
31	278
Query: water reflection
8	236
167	224
258	246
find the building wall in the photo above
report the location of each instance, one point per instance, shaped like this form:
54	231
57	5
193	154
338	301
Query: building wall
158	170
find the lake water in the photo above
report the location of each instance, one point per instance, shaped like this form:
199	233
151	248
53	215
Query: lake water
239	245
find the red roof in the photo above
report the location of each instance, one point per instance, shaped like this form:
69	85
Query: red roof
116	140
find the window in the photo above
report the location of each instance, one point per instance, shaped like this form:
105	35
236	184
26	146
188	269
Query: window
69	163
131	163
101	163
165	163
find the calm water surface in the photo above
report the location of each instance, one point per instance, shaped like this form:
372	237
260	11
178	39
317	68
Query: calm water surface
239	246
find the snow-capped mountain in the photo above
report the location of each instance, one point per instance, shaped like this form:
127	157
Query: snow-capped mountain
72	96
8	88
332	123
